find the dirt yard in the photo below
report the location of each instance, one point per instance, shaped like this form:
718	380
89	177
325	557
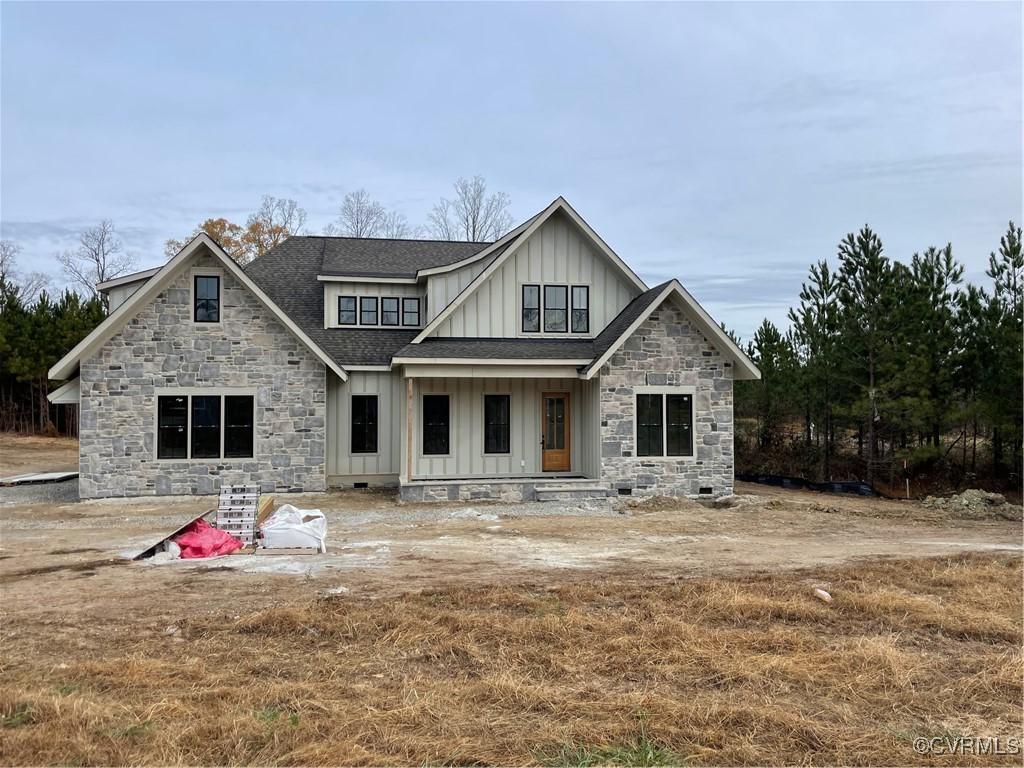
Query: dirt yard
655	633
22	454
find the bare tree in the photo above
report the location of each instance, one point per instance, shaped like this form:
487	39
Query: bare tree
29	285
395	225
276	220
473	215
9	251
100	256
359	216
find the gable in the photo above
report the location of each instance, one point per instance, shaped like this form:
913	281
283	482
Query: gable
558	252
200	246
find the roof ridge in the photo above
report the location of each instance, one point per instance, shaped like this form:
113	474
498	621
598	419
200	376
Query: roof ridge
394	239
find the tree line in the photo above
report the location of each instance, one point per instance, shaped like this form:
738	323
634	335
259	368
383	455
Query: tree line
886	362
39	325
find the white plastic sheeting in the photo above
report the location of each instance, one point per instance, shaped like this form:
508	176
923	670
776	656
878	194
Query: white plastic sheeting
290	527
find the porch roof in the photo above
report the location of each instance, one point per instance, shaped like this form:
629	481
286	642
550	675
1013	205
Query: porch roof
580	351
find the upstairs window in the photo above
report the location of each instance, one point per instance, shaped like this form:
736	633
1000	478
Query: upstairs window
206	298
368	310
346	310
580	309
364	423
531	309
497	423
411	312
389	311
664	424
556	308
435	425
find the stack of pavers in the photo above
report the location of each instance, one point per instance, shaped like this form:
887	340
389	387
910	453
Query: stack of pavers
236	512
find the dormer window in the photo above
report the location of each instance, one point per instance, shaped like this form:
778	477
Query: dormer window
346	310
556	309
411	312
206	299
389	310
367	310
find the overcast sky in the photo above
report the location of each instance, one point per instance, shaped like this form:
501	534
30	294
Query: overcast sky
729	145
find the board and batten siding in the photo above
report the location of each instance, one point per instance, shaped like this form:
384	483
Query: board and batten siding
557	253
467	458
443	288
341	462
333	290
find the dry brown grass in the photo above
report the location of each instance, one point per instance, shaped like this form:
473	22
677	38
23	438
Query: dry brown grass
749	670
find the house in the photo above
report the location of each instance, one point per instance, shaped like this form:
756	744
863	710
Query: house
536	366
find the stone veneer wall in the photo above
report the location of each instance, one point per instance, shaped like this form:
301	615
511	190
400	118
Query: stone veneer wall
159	351
666	350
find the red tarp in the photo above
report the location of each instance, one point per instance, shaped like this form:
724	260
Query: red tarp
201	539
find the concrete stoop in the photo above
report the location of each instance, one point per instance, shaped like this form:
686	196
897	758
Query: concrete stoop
506	489
561	491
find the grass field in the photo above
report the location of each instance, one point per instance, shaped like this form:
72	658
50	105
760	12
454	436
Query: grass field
748	669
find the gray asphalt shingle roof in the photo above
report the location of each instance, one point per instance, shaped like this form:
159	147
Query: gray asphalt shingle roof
371	257
499	349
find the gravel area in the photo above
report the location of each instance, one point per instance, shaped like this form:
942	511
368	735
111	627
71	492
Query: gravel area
40	493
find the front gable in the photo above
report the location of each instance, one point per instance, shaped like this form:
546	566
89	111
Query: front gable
560	250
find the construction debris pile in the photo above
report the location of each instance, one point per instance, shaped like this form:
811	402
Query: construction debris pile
976	504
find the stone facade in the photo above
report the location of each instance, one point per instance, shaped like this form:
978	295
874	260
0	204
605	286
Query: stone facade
666	350
160	351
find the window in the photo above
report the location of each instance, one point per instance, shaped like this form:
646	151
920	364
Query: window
435	425
346	310
679	425
497	423
204	426
206	295
649	425
389	311
364	423
172	428
368	310
531	309
664	424
555	308
580	309
410	311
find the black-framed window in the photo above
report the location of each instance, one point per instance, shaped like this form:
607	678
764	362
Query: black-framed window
238	426
346	310
497	423
531	308
678	425
389	310
206	426
206	295
436	425
664	424
364	423
207	423
410	311
367	310
580	309
172	427
556	308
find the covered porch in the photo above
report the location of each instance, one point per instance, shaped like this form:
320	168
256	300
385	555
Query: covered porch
506	432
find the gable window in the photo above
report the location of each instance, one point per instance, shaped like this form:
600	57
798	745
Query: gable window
556	308
368	310
205	426
580	309
435	425
410	312
364	423
389	311
346	310
206	299
497	423
664	424
531	309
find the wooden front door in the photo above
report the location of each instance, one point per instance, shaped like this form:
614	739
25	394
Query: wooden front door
554	432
